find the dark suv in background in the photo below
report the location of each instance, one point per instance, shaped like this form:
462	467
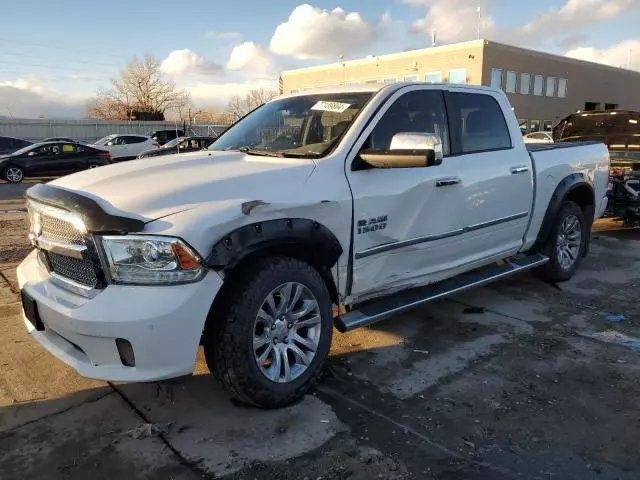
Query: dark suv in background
10	144
163	136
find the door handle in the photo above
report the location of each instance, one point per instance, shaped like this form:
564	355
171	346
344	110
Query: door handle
520	169
447	181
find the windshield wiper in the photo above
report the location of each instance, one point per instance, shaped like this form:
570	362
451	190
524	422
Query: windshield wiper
300	154
262	153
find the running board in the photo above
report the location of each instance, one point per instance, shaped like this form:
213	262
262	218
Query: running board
379	309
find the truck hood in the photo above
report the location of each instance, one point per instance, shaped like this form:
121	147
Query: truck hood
155	187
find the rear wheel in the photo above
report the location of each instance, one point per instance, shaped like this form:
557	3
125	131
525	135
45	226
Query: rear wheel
13	174
266	346
565	244
93	165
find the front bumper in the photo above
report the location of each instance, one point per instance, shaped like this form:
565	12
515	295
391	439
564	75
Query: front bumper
162	323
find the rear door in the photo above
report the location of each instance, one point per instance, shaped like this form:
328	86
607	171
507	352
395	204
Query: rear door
69	160
135	144
496	174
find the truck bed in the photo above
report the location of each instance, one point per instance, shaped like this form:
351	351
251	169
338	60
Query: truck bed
541	147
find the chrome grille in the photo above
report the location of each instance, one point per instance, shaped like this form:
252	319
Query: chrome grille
75	269
60	230
63	245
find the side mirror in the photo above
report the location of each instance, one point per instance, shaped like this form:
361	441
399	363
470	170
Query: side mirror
407	150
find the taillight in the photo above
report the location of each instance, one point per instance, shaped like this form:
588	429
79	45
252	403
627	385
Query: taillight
105	155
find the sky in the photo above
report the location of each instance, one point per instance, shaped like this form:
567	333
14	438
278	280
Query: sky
55	55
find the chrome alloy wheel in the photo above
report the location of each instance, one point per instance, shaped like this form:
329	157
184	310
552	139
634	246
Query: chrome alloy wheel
286	332
568	242
14	174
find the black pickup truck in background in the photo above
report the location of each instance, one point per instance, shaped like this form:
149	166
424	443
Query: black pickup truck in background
619	130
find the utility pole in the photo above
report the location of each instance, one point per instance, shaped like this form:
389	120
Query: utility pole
479	21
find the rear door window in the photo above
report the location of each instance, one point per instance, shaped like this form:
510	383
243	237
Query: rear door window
477	123
134	139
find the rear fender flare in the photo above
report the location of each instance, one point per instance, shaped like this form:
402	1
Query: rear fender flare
569	184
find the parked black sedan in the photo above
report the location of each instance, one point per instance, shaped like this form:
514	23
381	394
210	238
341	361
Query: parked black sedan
50	159
179	145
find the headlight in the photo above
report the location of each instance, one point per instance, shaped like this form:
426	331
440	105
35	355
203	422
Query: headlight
151	260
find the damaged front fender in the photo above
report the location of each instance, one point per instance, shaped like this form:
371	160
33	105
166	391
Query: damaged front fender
316	239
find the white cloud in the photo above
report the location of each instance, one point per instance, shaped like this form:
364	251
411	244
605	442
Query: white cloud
575	14
564	25
26	97
249	56
180	62
618	55
453	20
216	95
311	32
215	35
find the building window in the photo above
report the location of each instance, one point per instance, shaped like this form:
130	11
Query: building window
512	81
547	126
562	87
524	126
551	87
433	77
610	106
411	78
389	80
295	90
534	125
496	78
590	106
371	81
537	85
459	75
525	84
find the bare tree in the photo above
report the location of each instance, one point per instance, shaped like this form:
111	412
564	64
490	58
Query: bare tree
239	106
141	91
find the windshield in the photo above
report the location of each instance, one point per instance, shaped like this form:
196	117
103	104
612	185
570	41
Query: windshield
172	143
26	149
104	139
307	125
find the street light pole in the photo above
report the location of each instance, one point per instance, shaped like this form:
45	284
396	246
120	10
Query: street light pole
479	21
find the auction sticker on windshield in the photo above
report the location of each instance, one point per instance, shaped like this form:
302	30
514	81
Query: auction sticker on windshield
337	107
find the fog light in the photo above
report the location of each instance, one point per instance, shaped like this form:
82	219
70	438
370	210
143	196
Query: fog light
125	350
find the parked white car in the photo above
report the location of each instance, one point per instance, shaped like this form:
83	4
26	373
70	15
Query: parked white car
125	147
539	137
343	206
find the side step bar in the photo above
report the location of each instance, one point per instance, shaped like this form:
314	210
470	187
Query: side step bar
379	309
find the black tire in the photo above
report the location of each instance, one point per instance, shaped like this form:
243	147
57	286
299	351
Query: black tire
554	271
93	165
229	332
5	173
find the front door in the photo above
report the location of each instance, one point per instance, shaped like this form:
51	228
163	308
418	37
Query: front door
407	221
43	161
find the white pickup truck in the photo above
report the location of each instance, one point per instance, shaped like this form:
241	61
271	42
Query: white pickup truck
339	207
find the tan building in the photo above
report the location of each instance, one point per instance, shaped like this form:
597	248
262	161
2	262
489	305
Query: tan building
541	87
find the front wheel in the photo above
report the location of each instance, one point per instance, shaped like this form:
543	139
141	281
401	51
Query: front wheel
13	174
565	245
266	346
